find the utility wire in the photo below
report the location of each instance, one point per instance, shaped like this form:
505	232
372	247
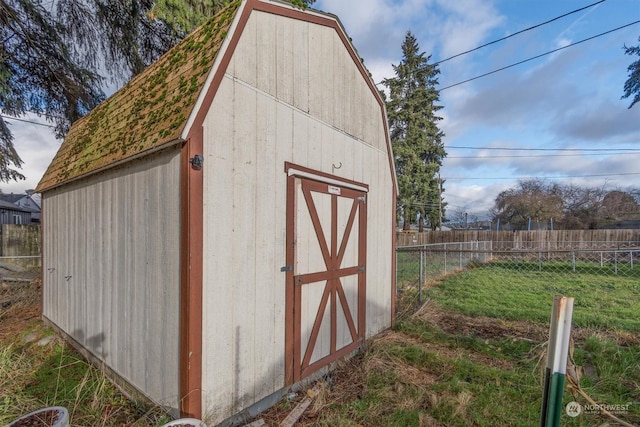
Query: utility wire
519	32
538	156
509	36
538	56
26	121
545	177
541	149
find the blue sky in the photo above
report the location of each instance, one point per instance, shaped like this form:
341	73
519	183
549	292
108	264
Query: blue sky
569	99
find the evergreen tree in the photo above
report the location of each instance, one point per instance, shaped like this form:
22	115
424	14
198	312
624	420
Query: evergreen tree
52	57
415	136
632	85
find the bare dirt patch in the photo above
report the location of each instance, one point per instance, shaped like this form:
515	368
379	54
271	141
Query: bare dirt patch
481	327
492	328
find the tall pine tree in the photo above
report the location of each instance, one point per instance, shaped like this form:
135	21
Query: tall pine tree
415	136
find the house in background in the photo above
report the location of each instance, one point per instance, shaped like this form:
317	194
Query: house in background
14	214
221	229
29	201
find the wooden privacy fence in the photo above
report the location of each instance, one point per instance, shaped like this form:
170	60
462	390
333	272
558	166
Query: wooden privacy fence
537	240
20	245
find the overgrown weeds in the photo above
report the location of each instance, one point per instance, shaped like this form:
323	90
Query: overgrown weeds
475	354
471	357
424	372
38	370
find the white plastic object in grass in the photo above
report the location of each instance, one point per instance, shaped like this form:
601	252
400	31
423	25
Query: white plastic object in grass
61	418
186	422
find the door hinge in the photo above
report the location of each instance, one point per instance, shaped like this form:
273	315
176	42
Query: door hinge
286	268
363	199
361	268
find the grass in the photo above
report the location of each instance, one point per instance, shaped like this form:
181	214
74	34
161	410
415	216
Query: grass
35	374
472	357
475	355
514	291
425	373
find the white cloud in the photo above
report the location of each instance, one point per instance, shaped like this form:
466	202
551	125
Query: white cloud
464	24
474	198
36	146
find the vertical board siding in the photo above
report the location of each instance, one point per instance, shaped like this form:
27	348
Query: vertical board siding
218	352
266	67
380	297
267	264
243	249
9	216
299	98
301	70
284	60
244	62
117	292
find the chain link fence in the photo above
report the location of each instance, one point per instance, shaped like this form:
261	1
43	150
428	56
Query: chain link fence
419	267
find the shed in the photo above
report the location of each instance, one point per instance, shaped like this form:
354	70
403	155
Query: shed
221	229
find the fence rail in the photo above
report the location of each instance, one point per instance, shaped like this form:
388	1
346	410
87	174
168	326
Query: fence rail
10	265
419	267
547	239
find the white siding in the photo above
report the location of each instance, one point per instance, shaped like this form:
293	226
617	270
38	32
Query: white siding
111	269
293	94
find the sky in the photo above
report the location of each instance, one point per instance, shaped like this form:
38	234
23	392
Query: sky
566	100
549	112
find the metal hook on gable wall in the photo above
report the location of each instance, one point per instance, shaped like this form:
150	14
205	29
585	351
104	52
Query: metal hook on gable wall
334	167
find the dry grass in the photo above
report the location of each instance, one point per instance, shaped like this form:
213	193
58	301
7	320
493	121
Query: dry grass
435	368
19	307
36	374
440	368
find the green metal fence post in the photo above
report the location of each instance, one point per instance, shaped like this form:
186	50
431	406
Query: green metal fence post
421	279
557	354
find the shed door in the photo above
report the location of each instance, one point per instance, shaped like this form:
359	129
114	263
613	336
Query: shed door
326	287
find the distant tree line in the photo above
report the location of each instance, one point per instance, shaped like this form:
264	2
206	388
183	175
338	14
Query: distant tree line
566	206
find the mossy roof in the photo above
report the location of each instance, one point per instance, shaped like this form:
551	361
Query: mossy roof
149	112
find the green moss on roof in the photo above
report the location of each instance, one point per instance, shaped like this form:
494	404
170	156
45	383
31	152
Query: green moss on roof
148	112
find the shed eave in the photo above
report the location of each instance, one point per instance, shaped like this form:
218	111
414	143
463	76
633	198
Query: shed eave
176	141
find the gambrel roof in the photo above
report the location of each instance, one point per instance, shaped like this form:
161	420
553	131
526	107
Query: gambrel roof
148	113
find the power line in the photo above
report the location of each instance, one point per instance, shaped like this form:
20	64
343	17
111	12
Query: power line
531	156
27	121
519	32
540	149
544	177
537	56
